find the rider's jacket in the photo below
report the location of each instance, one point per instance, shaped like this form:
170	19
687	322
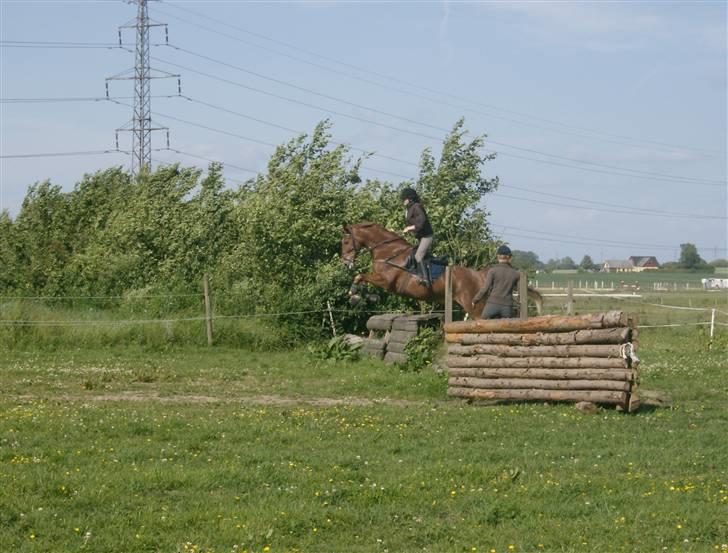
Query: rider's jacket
417	216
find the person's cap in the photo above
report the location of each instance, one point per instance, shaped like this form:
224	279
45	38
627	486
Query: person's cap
503	250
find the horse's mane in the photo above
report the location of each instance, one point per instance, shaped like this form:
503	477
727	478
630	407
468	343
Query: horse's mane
387	233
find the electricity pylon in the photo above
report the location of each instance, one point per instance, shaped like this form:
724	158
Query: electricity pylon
141	125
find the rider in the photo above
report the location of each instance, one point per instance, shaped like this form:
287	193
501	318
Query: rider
419	224
500	281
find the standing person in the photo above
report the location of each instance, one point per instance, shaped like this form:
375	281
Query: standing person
500	281
419	224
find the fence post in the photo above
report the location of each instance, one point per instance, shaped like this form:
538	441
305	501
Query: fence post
712	327
331	318
208	308
570	298
523	294
448	294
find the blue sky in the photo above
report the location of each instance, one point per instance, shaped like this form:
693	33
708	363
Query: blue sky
609	118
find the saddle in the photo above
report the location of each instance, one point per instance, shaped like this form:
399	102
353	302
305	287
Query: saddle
435	265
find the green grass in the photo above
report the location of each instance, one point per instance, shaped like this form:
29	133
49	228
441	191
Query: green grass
644	278
221	449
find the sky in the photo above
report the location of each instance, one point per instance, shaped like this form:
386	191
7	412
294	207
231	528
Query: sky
608	118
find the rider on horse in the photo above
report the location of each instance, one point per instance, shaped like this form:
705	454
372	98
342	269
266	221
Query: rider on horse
419	224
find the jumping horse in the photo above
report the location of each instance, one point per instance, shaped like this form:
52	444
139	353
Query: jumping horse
389	255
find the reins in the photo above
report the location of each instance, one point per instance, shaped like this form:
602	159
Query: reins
371	249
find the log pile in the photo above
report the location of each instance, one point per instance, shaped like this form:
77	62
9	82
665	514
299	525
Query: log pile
389	334
552	358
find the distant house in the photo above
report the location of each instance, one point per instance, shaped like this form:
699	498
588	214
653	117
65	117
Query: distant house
617	266
635	264
644	263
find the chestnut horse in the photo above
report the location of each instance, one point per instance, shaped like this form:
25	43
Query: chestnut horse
389	255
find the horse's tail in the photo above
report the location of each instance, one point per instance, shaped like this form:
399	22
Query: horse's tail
537	298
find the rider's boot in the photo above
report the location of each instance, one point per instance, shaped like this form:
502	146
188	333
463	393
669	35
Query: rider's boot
423	276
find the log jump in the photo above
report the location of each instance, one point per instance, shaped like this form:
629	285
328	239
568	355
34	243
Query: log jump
550	358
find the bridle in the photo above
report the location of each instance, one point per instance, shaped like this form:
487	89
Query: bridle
356	247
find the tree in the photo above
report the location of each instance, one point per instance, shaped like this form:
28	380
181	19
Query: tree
587	264
526	260
8	256
452	190
43	234
567	263
690	259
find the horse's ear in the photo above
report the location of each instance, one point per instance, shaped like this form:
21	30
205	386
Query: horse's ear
345	228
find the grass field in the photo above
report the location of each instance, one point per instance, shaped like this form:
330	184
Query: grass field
645	279
193	449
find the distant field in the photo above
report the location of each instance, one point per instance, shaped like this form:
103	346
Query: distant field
221	450
645	279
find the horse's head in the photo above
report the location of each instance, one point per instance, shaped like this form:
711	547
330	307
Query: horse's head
349	247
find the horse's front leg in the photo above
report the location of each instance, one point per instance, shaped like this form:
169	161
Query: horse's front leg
372	278
362	279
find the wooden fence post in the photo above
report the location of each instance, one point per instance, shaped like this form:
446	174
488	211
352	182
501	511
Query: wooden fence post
570	298
208	308
448	294
523	294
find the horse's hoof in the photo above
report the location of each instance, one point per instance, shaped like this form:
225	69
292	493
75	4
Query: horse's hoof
354	299
372	298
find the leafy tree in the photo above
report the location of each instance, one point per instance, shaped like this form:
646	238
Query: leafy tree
719	263
8	256
452	190
526	260
690	259
587	264
43	238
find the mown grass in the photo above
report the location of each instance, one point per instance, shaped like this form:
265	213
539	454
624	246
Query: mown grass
196	449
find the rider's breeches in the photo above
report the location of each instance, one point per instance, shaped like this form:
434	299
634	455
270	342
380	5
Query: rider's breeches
422	248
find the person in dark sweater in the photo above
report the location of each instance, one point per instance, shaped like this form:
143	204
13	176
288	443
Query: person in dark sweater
418	224
500	282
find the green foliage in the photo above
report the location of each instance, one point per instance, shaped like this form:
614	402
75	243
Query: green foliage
587	264
337	348
269	246
421	350
452	189
564	263
690	259
526	260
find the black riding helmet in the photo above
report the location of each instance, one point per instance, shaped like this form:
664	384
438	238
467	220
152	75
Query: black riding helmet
409	194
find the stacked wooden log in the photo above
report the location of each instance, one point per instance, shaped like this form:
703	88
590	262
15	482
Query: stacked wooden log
379	327
554	358
389	334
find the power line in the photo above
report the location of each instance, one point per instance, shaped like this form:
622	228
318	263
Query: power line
226	164
298	48
572	206
636	173
590	169
637	210
62	45
282	127
60	154
588	240
50	100
270	124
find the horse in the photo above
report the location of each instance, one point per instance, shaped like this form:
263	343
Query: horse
389	254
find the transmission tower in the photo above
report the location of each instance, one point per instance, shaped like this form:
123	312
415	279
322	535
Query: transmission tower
141	125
